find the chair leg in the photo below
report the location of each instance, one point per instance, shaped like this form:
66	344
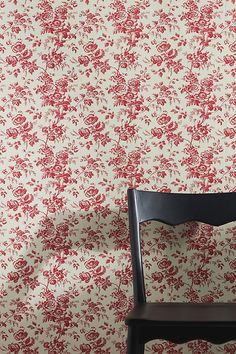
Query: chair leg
142	348
133	344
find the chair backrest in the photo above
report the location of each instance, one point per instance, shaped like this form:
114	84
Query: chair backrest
172	209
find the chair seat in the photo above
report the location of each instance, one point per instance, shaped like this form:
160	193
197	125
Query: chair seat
192	314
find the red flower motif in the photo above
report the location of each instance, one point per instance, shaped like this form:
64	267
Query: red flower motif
90	119
85	205
85	276
232	47
92	335
13	204
158	276
18	47
20	335
14	348
163	47
163	119
157	132
164	263
18	119
85	348
229	59
12	133
20	263
157	59
98	54
84	132
13	276
91	263
229	132
19	192
84	60
91	192
12	60
90	47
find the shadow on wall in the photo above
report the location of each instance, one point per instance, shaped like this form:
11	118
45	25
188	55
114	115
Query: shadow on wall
68	291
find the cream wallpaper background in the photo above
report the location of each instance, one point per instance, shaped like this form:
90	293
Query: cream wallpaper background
98	96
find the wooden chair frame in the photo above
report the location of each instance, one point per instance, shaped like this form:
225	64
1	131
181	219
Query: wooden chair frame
176	322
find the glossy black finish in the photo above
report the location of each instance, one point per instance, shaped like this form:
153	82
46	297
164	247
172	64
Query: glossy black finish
176	322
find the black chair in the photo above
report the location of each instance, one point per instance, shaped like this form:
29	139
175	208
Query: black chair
176	322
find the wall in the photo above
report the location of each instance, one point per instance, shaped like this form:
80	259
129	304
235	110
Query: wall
97	97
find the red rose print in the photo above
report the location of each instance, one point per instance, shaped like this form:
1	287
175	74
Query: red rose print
84	60
18	119
26	54
163	47
91	263
164	263
157	132
49	305
163	119
85	276
92	335
232	47
18	47
12	133
85	348
90	119
99	126
12	60
98	54
229	132
207	299
91	192
100	271
171	54
84	205
19	192
20	335
63	300
173	126
13	204
229	59
19	263
230	277
90	47
84	132
14	348
27	126
157	59
158	276
233	120
13	276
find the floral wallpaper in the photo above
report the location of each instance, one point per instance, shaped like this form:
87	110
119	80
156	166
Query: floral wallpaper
97	96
